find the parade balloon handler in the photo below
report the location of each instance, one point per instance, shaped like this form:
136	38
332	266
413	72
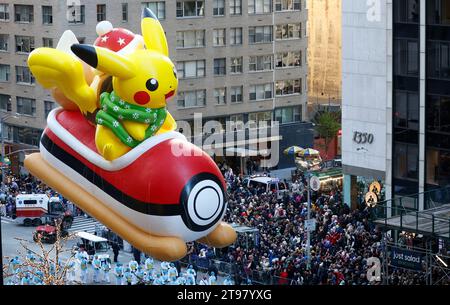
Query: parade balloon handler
104	148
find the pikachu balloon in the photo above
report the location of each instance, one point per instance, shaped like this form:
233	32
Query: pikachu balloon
112	150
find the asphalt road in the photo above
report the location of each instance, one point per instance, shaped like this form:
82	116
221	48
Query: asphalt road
12	247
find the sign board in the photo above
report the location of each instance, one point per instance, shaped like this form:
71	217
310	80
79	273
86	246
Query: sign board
375	187
371	199
310	225
406	259
314	182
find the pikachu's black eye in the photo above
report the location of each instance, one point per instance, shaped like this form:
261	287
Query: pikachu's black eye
152	84
175	72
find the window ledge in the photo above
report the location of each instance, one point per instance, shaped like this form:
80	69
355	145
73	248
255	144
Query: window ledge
192	107
192	78
2	20
288	39
266	99
287	68
221	105
188	48
25	84
291	94
288	11
191	17
261	71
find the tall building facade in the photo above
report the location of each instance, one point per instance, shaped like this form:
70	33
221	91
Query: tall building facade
324	51
237	60
396	96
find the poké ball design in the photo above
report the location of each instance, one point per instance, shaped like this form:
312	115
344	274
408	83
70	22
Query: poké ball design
151	196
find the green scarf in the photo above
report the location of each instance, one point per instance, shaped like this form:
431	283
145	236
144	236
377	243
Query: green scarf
115	110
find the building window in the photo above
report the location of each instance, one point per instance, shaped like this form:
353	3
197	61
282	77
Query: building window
407	11
260	63
47	14
288	31
406	161
260	34
236	36
220	66
24	135
189	99
101	12
287	5
4	12
236	122
47	42
189	69
157	7
190	9
287	87
219	37
26	106
24	44
124	12
287	115
259	7
236	65
218	7
256	118
24	76
438	11
220	96
236	94
4	73
235	7
438	114
406	110
261	92
438	60
23	13
288	59
76	14
190	39
48	106
4	38
438	167
5	102
406	57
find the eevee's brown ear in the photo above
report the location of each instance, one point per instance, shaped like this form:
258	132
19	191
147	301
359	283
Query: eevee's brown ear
153	33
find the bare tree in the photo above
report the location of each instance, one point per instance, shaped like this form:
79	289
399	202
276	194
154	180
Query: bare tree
46	265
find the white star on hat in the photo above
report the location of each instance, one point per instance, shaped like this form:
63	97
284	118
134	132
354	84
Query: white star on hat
121	41
104	38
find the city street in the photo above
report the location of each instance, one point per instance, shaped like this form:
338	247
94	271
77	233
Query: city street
11	231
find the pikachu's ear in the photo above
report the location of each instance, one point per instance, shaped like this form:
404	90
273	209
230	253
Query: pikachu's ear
105	60
153	33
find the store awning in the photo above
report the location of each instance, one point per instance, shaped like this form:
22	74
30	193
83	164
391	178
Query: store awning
243	152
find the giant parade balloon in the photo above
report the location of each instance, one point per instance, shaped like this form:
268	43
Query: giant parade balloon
112	149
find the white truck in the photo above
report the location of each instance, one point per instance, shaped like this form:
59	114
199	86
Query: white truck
31	208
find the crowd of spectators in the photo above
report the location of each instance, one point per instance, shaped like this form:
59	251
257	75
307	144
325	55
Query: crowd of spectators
341	245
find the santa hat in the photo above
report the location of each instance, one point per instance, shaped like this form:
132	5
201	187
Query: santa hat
118	40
